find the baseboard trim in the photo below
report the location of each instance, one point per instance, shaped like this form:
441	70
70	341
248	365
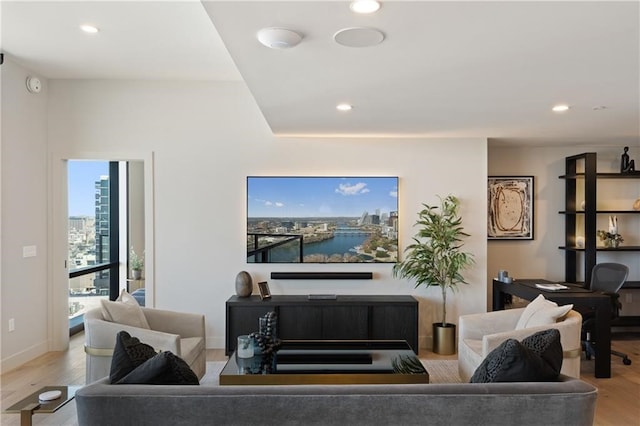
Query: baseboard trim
16	360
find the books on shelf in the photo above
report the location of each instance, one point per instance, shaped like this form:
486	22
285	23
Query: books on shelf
551	286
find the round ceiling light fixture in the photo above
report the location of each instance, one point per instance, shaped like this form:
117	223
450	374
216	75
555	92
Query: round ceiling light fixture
358	37
279	38
364	6
344	107
560	108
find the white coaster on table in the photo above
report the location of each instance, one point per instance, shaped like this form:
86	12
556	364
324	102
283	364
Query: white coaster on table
50	395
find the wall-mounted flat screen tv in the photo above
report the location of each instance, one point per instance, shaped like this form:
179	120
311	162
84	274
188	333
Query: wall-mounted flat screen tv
317	219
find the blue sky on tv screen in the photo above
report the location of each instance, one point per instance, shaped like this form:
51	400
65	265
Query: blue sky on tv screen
270	196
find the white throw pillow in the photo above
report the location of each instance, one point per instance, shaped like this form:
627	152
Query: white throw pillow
541	312
125	310
127	298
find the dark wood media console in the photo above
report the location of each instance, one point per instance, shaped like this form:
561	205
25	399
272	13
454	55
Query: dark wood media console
362	317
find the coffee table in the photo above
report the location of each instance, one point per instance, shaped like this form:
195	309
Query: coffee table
31	404
305	362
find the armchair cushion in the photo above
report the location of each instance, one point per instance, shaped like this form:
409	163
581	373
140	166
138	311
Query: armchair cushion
541	312
128	354
124	312
538	358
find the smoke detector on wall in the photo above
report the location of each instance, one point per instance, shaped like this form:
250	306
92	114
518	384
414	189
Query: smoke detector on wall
34	85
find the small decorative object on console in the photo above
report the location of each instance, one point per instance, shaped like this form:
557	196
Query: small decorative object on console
244	284
265	293
627	165
266	344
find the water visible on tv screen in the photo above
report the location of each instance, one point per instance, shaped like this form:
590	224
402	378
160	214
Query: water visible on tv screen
322	219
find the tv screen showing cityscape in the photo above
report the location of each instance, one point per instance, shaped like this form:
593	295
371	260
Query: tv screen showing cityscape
317	219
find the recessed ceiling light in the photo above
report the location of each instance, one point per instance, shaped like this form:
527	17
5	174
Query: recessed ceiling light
364	6
89	29
344	107
560	108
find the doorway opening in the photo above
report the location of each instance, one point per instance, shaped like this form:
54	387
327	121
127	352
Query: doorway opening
105	226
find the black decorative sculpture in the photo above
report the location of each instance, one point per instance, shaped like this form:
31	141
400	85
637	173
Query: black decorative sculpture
626	165
267	342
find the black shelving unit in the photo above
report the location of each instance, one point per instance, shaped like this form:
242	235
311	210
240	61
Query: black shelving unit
586	163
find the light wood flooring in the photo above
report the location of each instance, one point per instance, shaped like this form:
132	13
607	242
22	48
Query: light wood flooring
618	397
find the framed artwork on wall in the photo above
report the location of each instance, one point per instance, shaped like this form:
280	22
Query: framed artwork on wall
510	208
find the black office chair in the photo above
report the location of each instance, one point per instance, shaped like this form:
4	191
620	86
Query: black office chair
607	278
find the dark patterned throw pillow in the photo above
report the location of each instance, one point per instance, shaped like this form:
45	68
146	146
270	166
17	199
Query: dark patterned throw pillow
128	354
164	368
514	361
547	344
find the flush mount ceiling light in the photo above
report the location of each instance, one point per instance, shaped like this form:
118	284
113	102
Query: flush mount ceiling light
279	38
344	107
358	37
89	28
560	108
364	6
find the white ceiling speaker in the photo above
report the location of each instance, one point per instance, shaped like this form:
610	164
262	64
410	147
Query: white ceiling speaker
279	38
358	37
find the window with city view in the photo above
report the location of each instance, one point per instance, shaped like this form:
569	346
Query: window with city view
89	232
322	219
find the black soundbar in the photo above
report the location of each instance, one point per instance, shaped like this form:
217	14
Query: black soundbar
321	275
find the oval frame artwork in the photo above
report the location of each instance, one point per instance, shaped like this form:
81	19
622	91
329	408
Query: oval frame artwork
510	208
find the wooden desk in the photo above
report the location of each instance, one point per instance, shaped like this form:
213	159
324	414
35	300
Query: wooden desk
525	288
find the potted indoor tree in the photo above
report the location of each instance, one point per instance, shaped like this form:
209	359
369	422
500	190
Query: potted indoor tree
436	259
136	263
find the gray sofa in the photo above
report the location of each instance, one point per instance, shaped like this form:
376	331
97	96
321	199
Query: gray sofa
567	402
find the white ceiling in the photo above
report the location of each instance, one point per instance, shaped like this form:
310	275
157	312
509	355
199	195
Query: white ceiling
445	69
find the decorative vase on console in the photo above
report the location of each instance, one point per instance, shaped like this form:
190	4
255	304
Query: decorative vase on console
244	284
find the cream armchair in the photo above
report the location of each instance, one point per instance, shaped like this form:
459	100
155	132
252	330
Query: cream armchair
480	333
181	333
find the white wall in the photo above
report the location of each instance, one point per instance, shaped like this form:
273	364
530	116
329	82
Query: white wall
24	287
541	257
206	138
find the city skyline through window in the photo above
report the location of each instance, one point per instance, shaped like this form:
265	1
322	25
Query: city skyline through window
88	235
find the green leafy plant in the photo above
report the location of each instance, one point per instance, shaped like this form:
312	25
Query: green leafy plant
436	257
135	262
